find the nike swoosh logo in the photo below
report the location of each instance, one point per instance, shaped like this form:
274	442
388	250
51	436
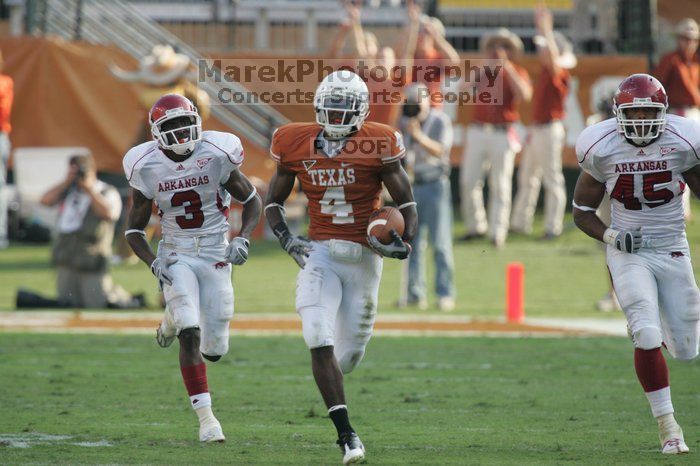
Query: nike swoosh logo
345	164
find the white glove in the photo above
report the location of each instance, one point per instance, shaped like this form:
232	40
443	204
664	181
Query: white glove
161	269
237	251
397	249
626	241
298	247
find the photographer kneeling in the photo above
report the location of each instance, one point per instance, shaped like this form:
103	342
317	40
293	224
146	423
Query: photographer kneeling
89	209
428	133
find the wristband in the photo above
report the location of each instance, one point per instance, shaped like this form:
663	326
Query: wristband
583	208
250	197
129	232
609	236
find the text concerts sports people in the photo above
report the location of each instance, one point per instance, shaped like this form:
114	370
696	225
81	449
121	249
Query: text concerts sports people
341	164
644	160
191	175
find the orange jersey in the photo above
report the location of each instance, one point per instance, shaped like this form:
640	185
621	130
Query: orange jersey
343	190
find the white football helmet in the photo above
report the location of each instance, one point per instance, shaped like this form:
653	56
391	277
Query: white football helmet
341	103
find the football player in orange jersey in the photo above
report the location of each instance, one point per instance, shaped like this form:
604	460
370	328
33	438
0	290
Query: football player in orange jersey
341	164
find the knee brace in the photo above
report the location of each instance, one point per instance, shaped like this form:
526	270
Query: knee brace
647	338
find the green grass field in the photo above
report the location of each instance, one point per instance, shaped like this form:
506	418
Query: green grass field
563	278
413	400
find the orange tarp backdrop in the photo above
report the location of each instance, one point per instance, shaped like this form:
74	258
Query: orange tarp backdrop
66	96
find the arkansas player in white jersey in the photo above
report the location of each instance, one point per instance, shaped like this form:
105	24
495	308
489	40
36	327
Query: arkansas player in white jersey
191	175
645	159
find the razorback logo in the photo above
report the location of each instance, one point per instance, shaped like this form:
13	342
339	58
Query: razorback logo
220	265
666	150
201	163
677	254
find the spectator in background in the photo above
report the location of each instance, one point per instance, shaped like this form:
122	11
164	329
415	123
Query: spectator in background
6	97
492	143
428	138
366	47
424	42
679	72
541	160
89	209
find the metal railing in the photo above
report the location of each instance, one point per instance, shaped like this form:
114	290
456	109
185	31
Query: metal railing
119	23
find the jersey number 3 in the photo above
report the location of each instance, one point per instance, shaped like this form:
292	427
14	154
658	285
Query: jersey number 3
624	190
194	217
334	203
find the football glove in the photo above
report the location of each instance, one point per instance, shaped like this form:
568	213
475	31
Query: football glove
626	241
298	247
397	249
161	269
237	251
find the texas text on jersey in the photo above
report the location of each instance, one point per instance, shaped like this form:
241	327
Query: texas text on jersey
645	184
342	190
189	195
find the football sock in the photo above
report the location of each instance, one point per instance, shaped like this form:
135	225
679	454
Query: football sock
652	373
651	369
195	378
339	416
667	423
660	402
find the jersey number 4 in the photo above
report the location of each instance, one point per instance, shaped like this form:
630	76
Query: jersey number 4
652	197
334	203
194	217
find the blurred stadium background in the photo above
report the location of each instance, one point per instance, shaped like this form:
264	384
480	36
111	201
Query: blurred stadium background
63	55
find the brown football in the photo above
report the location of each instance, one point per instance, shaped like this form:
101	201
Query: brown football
382	221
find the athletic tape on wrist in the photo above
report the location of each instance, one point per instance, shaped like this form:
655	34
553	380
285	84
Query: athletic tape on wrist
609	236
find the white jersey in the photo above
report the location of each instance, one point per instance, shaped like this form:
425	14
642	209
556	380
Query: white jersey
645	184
189	195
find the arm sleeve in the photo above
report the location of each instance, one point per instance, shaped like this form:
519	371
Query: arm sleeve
586	157
692	157
275	147
133	175
396	150
234	157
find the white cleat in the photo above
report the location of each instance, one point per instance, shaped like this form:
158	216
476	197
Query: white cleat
352	448
210	431
166	331
672	442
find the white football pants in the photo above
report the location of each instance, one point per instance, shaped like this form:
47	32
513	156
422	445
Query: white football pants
201	295
337	302
541	165
488	148
657	290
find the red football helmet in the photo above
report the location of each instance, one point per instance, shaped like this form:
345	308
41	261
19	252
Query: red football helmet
640	91
175	124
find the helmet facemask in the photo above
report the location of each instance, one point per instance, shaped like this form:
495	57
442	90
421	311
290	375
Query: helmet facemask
641	131
340	111
178	131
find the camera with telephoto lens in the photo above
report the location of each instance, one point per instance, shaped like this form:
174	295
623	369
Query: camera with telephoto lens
410	109
82	166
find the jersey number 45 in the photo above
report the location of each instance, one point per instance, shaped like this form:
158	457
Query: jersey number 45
651	197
